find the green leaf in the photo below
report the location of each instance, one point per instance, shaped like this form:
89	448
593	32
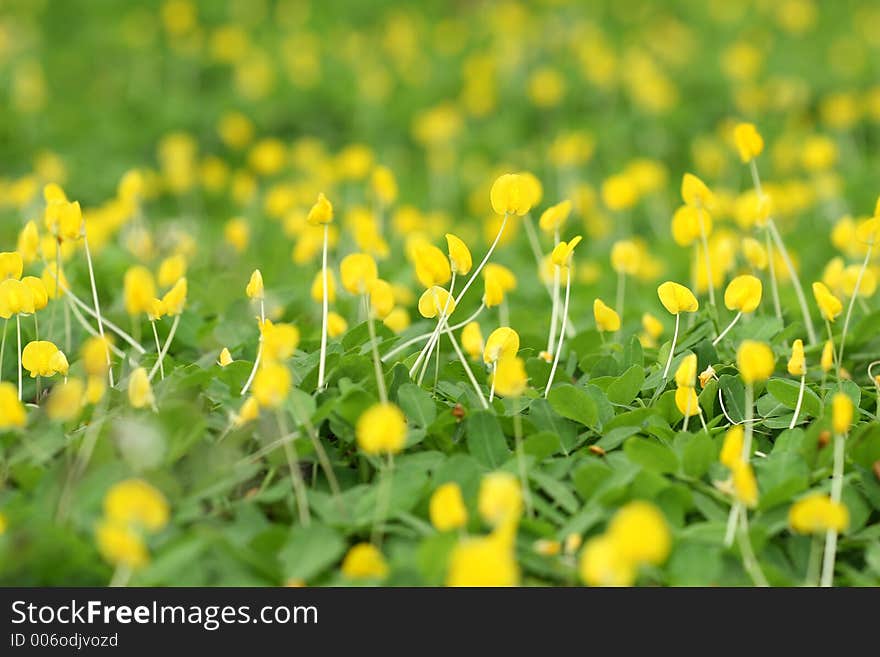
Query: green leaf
557	490
417	404
698	454
627	385
310	550
575	404
786	393
650	454
734	393
542	444
485	440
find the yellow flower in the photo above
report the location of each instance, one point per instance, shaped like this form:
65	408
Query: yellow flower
818	513
502	342
225	358
676	298
41	358
849	278
695	193
38	290
11	265
731	450
797	362
625	257
120	544
94	356
505	278
249	411
95	389
620	192
686	401
755	253
140	392
432	266
483	561
841	413
562	252
381	429
434	300
748	140
459	254
510	194
364	561
136	503
175	299
172	269
509	376
271	384
49	275
12	411
607	319
755	361
652	326
358	271
500	499
745	486
381	298
255	288
603	564
235	130
65	220
384	185
66	400
446	508
826	361
397	320
554	217
829	305
15	298
237	233
472	340
743	293
686	374
640	533
139	289
28	243
336	324
321	212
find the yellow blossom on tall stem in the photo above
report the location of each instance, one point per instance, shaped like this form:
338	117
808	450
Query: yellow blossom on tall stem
841	420
255	290
743	294
797	367
561	259
381	431
321	214
677	299
868	232
172	303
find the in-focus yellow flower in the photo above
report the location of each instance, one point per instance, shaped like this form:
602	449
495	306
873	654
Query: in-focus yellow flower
732	448
16	298
483	561
434	300
358	271
364	561
686	374
676	298
603	564
695	193
841	413
829	305
11	265
459	255
121	545
139	289
748	140
175	299
136	503
562	252
826	361
509	376
271	384
607	319
140	392
500	499
225	358
745	486
255	288
432	266
818	513
472	340
12	411
510	194
446	508
640	533
381	429
743	293
502	342
755	361
38	290
686	401
381	298
554	217
43	358
797	363
66	400
505	278
321	212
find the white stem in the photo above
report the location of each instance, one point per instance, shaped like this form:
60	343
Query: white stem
771	266
536	251
467	369
18	331
91	331
748	421
554	312
324	312
492	387
110	325
435	336
836	493
797	407
421	337
250	379
562	334
671	350
799	291
852	302
732	519
483	262
97	307
165	347
377	363
158	348
3	346
725	331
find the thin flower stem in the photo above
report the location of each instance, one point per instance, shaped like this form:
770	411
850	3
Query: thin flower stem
421	337
750	561
467	368
852	301
554	311
158	348
671	349
302	417
835	362
562	334
3	346
536	251
482	264
383	501
377	363
324	311
107	323
165	347
18	331
36	328
708	260
836	493
299	487
687	414
800	399
492	387
91	331
814	561
259	357
97	307
121	576
749	403
732	521
771	267
425	355
521	457
726	330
